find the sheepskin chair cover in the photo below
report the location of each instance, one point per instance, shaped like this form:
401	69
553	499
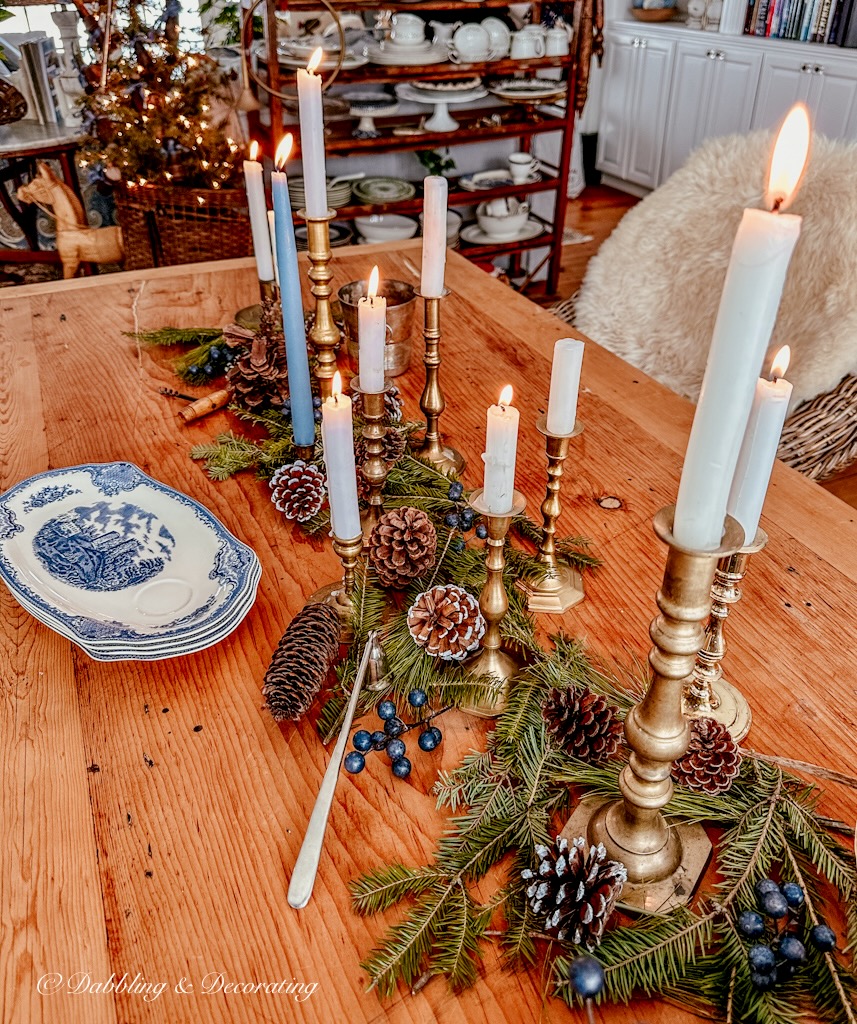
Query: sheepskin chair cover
651	292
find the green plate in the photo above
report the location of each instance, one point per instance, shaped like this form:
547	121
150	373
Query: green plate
383	190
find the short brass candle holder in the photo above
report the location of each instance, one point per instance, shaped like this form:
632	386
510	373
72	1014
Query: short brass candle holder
249	317
375	468
708	694
664	860
432	402
339	593
492	660
324	334
562	586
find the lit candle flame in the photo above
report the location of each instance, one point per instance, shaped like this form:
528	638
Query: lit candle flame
506	395
315	59
254	149
788	161
372	287
781	363
336	386
284	151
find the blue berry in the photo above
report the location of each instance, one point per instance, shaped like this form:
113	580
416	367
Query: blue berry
355	762
379	740
763	981
362	740
214	353
316	415
417	698
287	405
438	735
456	489
586	976
458	545
209	370
396	749
794	894
766	885
193	368
774	904
394	727
427	740
792	949
762	959
751	924
316	402
401	767
482	531
386	709
452	520
823	938
467	519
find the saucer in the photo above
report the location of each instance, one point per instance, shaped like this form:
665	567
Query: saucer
474	235
497	177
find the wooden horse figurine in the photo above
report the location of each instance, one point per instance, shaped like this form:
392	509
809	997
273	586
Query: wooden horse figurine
77	242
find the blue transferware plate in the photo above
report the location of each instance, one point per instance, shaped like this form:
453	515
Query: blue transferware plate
121	563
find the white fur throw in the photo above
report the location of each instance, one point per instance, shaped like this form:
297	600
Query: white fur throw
651	292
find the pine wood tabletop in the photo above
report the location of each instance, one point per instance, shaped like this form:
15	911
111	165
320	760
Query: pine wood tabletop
137	843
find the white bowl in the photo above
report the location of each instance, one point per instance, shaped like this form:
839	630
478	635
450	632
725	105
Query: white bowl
386	227
507	226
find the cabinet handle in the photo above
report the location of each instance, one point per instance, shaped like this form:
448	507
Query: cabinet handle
806	68
711	54
721	55
636	43
643	44
818	69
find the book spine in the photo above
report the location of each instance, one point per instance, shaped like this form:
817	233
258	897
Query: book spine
821	15
761	18
821	30
807	21
849	34
833	29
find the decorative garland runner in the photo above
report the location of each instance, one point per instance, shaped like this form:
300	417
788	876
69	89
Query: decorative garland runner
508	800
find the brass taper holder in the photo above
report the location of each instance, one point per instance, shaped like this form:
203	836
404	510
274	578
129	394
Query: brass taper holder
249	317
708	694
492	660
374	468
324	334
664	860
339	593
562	586
432	402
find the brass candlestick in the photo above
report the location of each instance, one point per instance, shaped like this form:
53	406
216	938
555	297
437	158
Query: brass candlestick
249	317
339	593
708	694
664	860
492	660
562	586
324	334
432	403
375	468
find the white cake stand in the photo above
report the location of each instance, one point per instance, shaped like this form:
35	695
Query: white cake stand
441	120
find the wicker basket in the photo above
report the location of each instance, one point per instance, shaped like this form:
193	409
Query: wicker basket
166	225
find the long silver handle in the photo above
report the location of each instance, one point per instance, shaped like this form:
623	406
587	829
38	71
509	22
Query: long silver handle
306	866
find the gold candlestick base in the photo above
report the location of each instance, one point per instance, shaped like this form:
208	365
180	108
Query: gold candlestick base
708	694
324	334
562	587
432	448
339	593
375	468
492	660
664	862
249	317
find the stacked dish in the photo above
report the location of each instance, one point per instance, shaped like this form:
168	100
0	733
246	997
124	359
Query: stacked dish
122	565
528	90
377	190
385	227
337	195
340	234
394	54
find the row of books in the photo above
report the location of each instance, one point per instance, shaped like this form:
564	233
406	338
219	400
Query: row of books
808	21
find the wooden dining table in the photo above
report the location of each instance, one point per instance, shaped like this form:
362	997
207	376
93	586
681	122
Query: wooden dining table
152	811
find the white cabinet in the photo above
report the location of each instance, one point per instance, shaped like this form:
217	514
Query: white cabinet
826	83
634	106
713	89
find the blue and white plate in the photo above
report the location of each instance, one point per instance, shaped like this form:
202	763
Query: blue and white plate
121	564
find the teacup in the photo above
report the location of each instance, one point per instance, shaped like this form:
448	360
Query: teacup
505	226
522	166
408	30
556	43
470	43
526	45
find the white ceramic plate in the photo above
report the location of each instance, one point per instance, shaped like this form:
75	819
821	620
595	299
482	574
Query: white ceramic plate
400	57
476	236
456	85
497	177
405	91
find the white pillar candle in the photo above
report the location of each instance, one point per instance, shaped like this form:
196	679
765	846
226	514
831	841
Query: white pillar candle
254	183
272	230
372	337
434	236
748	308
337	438
312	137
501	447
565	385
759	448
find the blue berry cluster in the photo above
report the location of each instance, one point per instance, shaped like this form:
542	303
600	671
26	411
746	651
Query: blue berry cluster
316	408
774	959
586	976
217	361
462	516
389	737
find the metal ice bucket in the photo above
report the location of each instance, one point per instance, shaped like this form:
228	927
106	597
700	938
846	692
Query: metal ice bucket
401	313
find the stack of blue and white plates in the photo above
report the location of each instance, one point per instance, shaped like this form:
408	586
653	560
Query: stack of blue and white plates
124	566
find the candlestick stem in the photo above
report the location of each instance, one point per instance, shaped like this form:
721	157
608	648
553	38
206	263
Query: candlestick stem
664	861
562	586
339	594
324	334
374	468
432	402
249	317
708	694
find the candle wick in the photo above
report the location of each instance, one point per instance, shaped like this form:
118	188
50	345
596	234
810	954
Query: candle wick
778	202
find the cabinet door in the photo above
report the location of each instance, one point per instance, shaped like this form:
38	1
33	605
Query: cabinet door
650	100
615	125
783	82
688	103
733	90
833	97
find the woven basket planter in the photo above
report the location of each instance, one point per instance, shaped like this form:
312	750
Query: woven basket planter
166	225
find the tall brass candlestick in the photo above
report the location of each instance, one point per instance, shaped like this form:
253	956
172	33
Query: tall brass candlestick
324	334
249	317
708	694
664	861
562	586
339	593
375	468
432	403
492	660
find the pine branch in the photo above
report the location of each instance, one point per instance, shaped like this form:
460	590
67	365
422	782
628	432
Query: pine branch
381	889
177	335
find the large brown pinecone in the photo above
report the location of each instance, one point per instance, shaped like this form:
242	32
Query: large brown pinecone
402	546
446	622
574	889
393	404
299	665
259	376
298	490
583	723
395	446
712	762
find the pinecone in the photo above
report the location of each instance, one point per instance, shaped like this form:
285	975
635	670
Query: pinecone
402	546
303	658
447	622
574	889
583	723
395	446
258	377
393	404
298	490
235	336
712	761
